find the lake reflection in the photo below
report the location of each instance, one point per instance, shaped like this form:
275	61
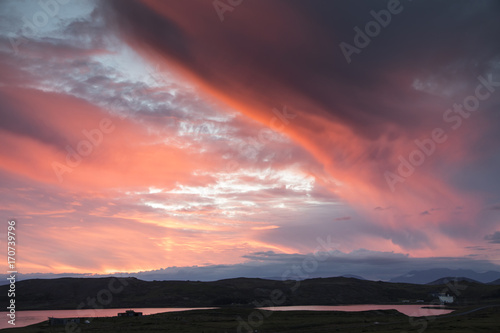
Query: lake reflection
413	310
25	318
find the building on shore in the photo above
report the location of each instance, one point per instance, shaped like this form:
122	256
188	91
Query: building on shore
130	313
446	299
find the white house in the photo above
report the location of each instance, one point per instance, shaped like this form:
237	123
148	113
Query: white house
446	299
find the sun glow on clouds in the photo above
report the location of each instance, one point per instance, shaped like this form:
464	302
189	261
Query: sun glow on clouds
203	165
235	195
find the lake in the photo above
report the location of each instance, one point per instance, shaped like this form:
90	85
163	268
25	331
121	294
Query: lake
413	310
25	318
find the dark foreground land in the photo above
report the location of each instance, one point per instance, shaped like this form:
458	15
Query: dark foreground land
230	320
478	305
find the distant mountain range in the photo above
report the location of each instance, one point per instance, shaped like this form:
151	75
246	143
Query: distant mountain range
452	279
353	276
344	276
495	283
430	276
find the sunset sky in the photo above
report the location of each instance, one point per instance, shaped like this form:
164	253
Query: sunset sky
242	137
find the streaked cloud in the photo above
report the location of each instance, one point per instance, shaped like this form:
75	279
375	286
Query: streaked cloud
231	144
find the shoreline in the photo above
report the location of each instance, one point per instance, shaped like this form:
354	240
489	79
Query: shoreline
232	319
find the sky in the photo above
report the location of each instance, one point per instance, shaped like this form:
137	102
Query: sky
250	138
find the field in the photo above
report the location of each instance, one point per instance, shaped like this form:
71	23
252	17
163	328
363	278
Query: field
245	320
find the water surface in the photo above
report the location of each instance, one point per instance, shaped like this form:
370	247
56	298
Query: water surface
25	318
413	310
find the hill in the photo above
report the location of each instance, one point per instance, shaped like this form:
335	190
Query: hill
496	282
451	280
430	275
73	293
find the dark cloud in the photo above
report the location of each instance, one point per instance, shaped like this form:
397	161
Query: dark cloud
477	248
396	88
368	264
493	238
16	119
495	207
315	67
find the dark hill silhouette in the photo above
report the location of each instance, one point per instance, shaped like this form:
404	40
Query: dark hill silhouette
73	293
495	283
430	275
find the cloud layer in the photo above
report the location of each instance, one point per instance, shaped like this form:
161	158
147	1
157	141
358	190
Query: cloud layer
203	142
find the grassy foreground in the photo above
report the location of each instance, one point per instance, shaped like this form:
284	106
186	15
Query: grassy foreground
232	320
